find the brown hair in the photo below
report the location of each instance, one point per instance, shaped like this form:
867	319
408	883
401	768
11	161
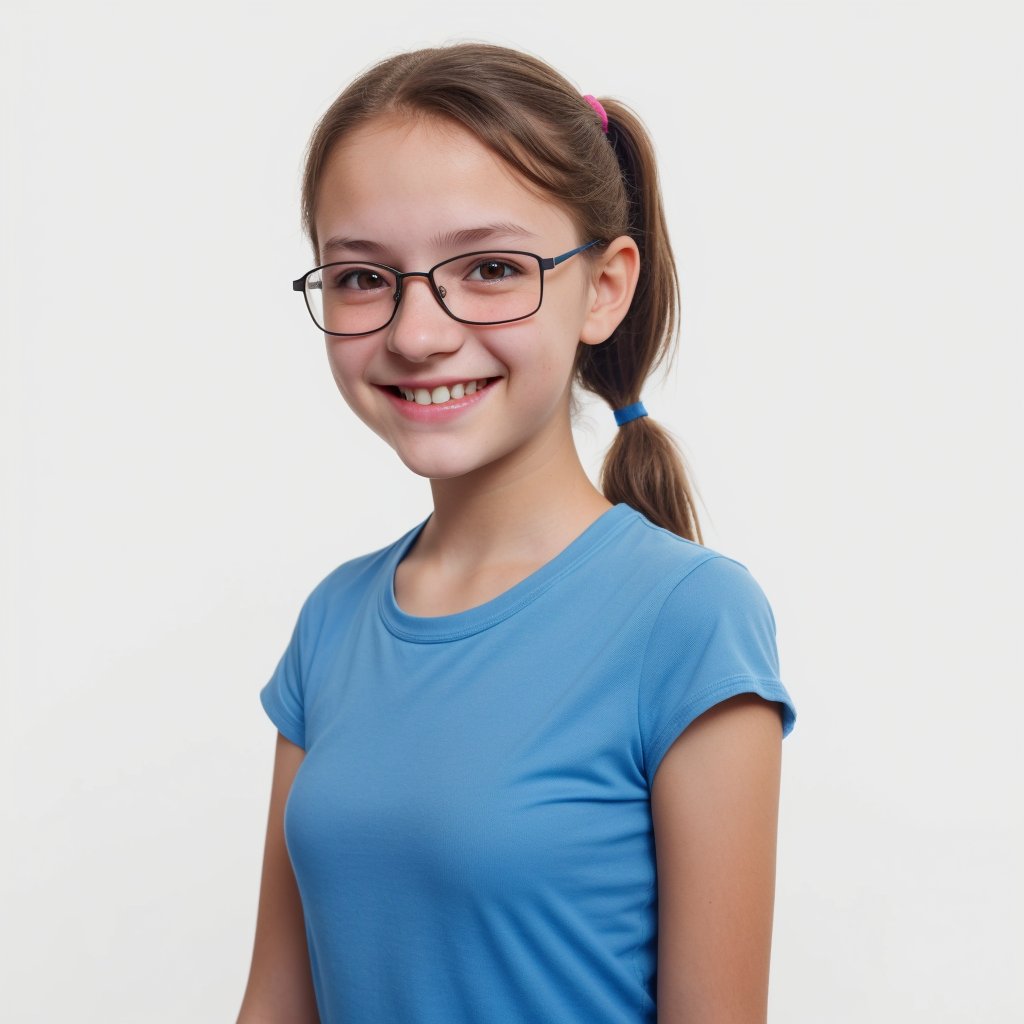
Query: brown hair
537	122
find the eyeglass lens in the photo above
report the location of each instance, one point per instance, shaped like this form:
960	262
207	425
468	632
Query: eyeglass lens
358	298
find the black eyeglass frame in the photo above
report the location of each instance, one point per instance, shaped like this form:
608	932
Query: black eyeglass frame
545	263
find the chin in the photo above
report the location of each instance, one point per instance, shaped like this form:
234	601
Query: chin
445	465
432	469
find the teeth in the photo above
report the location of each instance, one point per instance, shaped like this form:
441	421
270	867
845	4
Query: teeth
435	396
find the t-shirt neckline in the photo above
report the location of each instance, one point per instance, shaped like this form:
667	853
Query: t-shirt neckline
444	628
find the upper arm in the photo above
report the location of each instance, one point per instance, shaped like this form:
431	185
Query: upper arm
714	804
280	986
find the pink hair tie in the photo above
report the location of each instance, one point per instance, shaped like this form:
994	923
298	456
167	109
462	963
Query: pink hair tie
600	111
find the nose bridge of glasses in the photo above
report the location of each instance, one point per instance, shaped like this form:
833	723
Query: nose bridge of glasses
438	291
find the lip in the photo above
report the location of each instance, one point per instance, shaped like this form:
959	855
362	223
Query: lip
437	413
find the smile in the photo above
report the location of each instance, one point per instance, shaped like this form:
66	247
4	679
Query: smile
443	393
442	403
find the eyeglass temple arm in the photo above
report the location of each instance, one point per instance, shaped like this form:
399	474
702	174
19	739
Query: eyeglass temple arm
551	262
300	284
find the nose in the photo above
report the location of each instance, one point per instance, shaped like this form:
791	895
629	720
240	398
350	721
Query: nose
421	328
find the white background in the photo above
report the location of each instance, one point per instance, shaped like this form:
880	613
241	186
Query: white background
843	183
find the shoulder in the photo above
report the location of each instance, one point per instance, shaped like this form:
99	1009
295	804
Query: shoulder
713	603
684	571
709	618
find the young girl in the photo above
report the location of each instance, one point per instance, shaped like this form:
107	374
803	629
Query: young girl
528	757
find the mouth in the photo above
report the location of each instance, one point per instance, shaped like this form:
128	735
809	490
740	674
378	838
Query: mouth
442	393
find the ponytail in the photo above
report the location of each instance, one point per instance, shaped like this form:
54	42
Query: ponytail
643	467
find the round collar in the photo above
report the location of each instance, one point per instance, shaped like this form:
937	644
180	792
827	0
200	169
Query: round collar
444	628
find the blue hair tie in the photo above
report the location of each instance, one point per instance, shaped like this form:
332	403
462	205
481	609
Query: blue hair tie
630	412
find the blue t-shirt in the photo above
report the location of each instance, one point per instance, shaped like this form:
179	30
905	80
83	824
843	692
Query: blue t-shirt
471	828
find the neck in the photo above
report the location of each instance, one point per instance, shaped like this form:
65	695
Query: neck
527	510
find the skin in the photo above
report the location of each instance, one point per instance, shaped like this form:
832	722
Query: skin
509	494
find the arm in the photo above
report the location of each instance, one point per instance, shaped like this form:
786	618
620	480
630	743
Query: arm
715	804
280	987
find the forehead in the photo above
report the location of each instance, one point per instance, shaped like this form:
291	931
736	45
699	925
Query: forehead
403	181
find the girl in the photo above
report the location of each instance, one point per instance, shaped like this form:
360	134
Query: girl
528	756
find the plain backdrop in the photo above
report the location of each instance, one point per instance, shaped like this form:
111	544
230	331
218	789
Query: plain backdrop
843	190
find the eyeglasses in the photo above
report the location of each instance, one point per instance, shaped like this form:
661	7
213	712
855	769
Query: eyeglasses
481	288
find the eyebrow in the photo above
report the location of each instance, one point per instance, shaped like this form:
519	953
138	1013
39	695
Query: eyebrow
447	240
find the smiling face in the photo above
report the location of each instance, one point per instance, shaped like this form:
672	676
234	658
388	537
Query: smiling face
409	193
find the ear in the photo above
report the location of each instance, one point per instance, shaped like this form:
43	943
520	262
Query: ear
612	285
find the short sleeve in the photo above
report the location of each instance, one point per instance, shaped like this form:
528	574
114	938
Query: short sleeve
283	696
714	637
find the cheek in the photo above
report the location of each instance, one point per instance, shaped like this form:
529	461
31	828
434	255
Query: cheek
346	361
541	350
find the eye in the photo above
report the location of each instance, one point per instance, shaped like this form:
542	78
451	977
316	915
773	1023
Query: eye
492	270
360	279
